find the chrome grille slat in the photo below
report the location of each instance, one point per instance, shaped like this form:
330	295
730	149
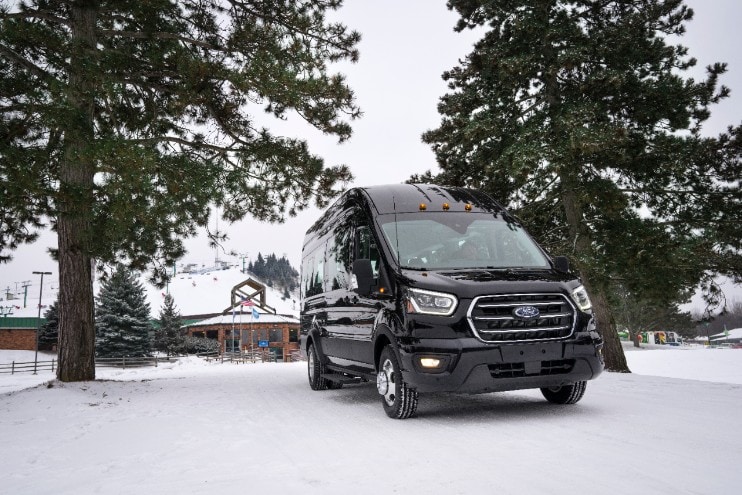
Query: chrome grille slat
491	317
516	304
549	315
539	329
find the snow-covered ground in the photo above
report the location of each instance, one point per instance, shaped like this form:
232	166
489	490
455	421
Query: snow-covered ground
671	427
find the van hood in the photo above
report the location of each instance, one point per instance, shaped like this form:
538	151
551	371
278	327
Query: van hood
475	282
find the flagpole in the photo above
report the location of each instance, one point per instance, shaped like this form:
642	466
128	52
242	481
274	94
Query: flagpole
225	341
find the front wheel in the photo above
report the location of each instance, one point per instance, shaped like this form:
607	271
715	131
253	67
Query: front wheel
398	399
566	394
315	369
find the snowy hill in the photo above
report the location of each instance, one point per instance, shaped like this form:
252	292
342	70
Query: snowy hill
200	291
208	291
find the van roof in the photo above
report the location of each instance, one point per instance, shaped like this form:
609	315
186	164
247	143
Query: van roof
407	198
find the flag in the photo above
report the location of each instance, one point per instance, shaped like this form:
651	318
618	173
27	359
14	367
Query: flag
255	314
247	302
726	332
233	312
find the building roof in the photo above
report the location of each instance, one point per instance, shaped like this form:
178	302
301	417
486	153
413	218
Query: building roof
735	333
244	319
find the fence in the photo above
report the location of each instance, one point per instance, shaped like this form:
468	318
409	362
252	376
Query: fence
132	362
122	362
139	362
31	366
250	356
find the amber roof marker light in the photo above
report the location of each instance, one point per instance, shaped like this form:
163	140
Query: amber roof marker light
423	207
446	206
467	207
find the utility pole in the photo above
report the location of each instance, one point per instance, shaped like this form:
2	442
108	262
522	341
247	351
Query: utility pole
26	285
38	320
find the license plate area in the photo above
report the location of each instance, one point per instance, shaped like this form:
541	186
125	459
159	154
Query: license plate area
531	353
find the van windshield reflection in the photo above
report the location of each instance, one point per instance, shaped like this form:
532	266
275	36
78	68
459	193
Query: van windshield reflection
449	240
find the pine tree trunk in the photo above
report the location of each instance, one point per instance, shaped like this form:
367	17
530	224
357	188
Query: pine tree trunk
579	234
77	169
615	359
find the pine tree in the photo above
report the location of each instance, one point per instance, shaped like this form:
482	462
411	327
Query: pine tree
122	317
48	331
123	121
575	114
168	337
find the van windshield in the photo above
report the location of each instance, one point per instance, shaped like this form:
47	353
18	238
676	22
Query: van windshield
443	240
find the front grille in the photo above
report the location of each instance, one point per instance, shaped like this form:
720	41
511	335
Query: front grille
494	319
517	370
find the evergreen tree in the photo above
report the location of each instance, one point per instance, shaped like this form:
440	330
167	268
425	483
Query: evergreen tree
576	115
122	121
49	330
122	326
168	337
275	272
198	345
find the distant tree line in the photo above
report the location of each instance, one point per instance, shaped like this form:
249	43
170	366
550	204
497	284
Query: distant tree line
275	272
732	318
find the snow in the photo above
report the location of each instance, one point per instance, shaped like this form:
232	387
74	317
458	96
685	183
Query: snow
210	428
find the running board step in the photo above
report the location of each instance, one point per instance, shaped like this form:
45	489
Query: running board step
353	371
335	377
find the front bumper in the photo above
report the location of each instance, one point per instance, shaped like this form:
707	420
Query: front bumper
474	367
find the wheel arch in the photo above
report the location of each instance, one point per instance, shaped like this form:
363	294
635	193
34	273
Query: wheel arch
313	338
384	337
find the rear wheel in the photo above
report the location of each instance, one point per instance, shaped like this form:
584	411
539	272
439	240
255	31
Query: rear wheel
566	394
315	369
398	399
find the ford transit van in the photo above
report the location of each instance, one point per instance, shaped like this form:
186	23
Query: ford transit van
424	288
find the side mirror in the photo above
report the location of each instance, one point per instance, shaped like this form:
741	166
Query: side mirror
561	263
364	276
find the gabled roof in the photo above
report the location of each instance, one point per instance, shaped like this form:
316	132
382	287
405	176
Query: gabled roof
244	319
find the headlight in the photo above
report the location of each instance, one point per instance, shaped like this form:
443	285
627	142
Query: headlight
431	303
581	299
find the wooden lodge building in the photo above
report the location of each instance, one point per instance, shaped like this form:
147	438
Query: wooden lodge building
234	330
272	333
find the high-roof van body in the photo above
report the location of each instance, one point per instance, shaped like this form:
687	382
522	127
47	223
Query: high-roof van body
426	288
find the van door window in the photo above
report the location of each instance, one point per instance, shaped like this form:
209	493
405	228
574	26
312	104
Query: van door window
312	274
338	256
366	248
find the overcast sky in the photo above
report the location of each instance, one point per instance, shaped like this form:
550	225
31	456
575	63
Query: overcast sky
406	45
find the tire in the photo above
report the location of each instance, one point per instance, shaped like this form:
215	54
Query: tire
567	394
398	399
315	369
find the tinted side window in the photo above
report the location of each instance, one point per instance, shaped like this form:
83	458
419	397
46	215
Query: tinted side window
312	274
339	256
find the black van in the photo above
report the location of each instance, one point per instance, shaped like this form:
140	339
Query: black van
427	288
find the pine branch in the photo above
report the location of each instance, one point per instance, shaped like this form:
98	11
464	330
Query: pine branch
23	62
161	36
37	14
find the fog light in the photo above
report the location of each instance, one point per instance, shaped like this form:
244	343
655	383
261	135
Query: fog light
427	363
430	362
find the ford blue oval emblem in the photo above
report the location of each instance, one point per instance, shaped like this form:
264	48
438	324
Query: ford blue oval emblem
526	312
